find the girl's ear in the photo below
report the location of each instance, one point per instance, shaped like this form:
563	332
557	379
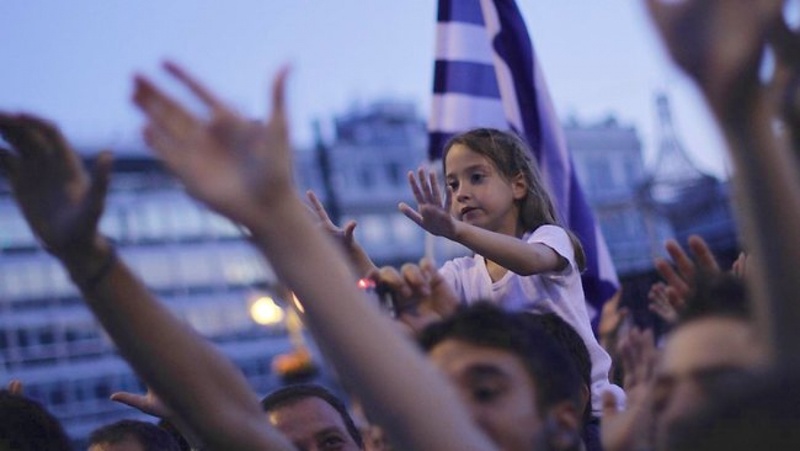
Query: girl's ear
519	186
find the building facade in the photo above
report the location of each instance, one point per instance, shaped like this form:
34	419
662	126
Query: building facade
197	263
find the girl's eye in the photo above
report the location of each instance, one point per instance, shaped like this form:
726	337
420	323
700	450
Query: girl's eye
453	185
476	178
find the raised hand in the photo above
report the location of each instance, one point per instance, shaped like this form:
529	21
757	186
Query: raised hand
680	281
60	201
342	234
717	42
432	214
623	430
664	302
237	166
420	293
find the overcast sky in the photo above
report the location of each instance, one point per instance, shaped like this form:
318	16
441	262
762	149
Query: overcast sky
72	61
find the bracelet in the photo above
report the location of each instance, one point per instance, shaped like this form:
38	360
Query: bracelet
90	283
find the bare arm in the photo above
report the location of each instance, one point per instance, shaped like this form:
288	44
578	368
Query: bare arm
243	169
62	205
727	40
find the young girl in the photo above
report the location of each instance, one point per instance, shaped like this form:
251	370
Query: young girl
496	204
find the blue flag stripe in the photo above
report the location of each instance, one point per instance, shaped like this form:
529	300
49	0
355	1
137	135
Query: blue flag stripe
458	11
463	77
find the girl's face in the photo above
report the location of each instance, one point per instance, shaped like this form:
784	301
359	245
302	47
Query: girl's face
482	196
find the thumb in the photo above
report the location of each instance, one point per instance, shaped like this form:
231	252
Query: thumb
129	399
95	199
349	228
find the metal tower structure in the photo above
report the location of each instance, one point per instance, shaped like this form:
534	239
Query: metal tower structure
674	173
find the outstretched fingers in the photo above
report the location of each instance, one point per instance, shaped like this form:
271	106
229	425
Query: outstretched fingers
317	207
410	213
164	113
278	116
195	86
702	252
415	188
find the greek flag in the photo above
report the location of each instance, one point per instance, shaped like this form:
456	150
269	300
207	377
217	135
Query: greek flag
487	75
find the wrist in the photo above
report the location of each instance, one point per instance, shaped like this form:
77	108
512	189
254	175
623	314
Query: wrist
283	212
88	265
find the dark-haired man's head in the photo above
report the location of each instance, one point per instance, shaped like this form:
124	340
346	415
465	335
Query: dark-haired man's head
521	387
132	435
713	342
27	426
313	418
759	411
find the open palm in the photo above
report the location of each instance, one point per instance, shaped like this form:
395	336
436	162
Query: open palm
235	165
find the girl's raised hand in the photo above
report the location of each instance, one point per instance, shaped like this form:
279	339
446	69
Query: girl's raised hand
237	166
431	214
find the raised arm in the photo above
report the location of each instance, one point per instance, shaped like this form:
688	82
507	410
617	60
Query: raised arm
62	204
242	169
720	43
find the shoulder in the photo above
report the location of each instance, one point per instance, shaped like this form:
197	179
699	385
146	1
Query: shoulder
459	264
556	238
548	232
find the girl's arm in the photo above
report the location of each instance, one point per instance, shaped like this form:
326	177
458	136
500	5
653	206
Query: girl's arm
62	205
242	169
510	252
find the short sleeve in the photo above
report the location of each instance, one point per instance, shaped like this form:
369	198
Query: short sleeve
557	239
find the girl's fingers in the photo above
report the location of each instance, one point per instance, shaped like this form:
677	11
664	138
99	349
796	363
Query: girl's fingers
410	213
437	194
415	189
424	185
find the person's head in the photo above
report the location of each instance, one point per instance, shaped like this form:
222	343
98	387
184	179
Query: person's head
519	384
313	418
132	435
27	426
761	411
713	343
573	344
496	185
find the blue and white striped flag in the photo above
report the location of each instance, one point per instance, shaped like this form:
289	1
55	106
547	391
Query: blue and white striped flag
487	75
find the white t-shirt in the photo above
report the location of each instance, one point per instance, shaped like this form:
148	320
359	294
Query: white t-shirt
558	292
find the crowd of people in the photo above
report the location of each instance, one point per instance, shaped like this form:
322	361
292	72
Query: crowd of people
492	351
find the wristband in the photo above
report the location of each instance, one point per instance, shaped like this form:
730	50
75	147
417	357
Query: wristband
90	283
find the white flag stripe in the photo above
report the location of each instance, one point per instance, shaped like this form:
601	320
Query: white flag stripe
454	113
462	42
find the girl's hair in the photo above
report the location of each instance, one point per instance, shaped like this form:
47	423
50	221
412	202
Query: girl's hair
511	156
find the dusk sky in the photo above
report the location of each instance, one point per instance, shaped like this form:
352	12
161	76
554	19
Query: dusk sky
73	61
